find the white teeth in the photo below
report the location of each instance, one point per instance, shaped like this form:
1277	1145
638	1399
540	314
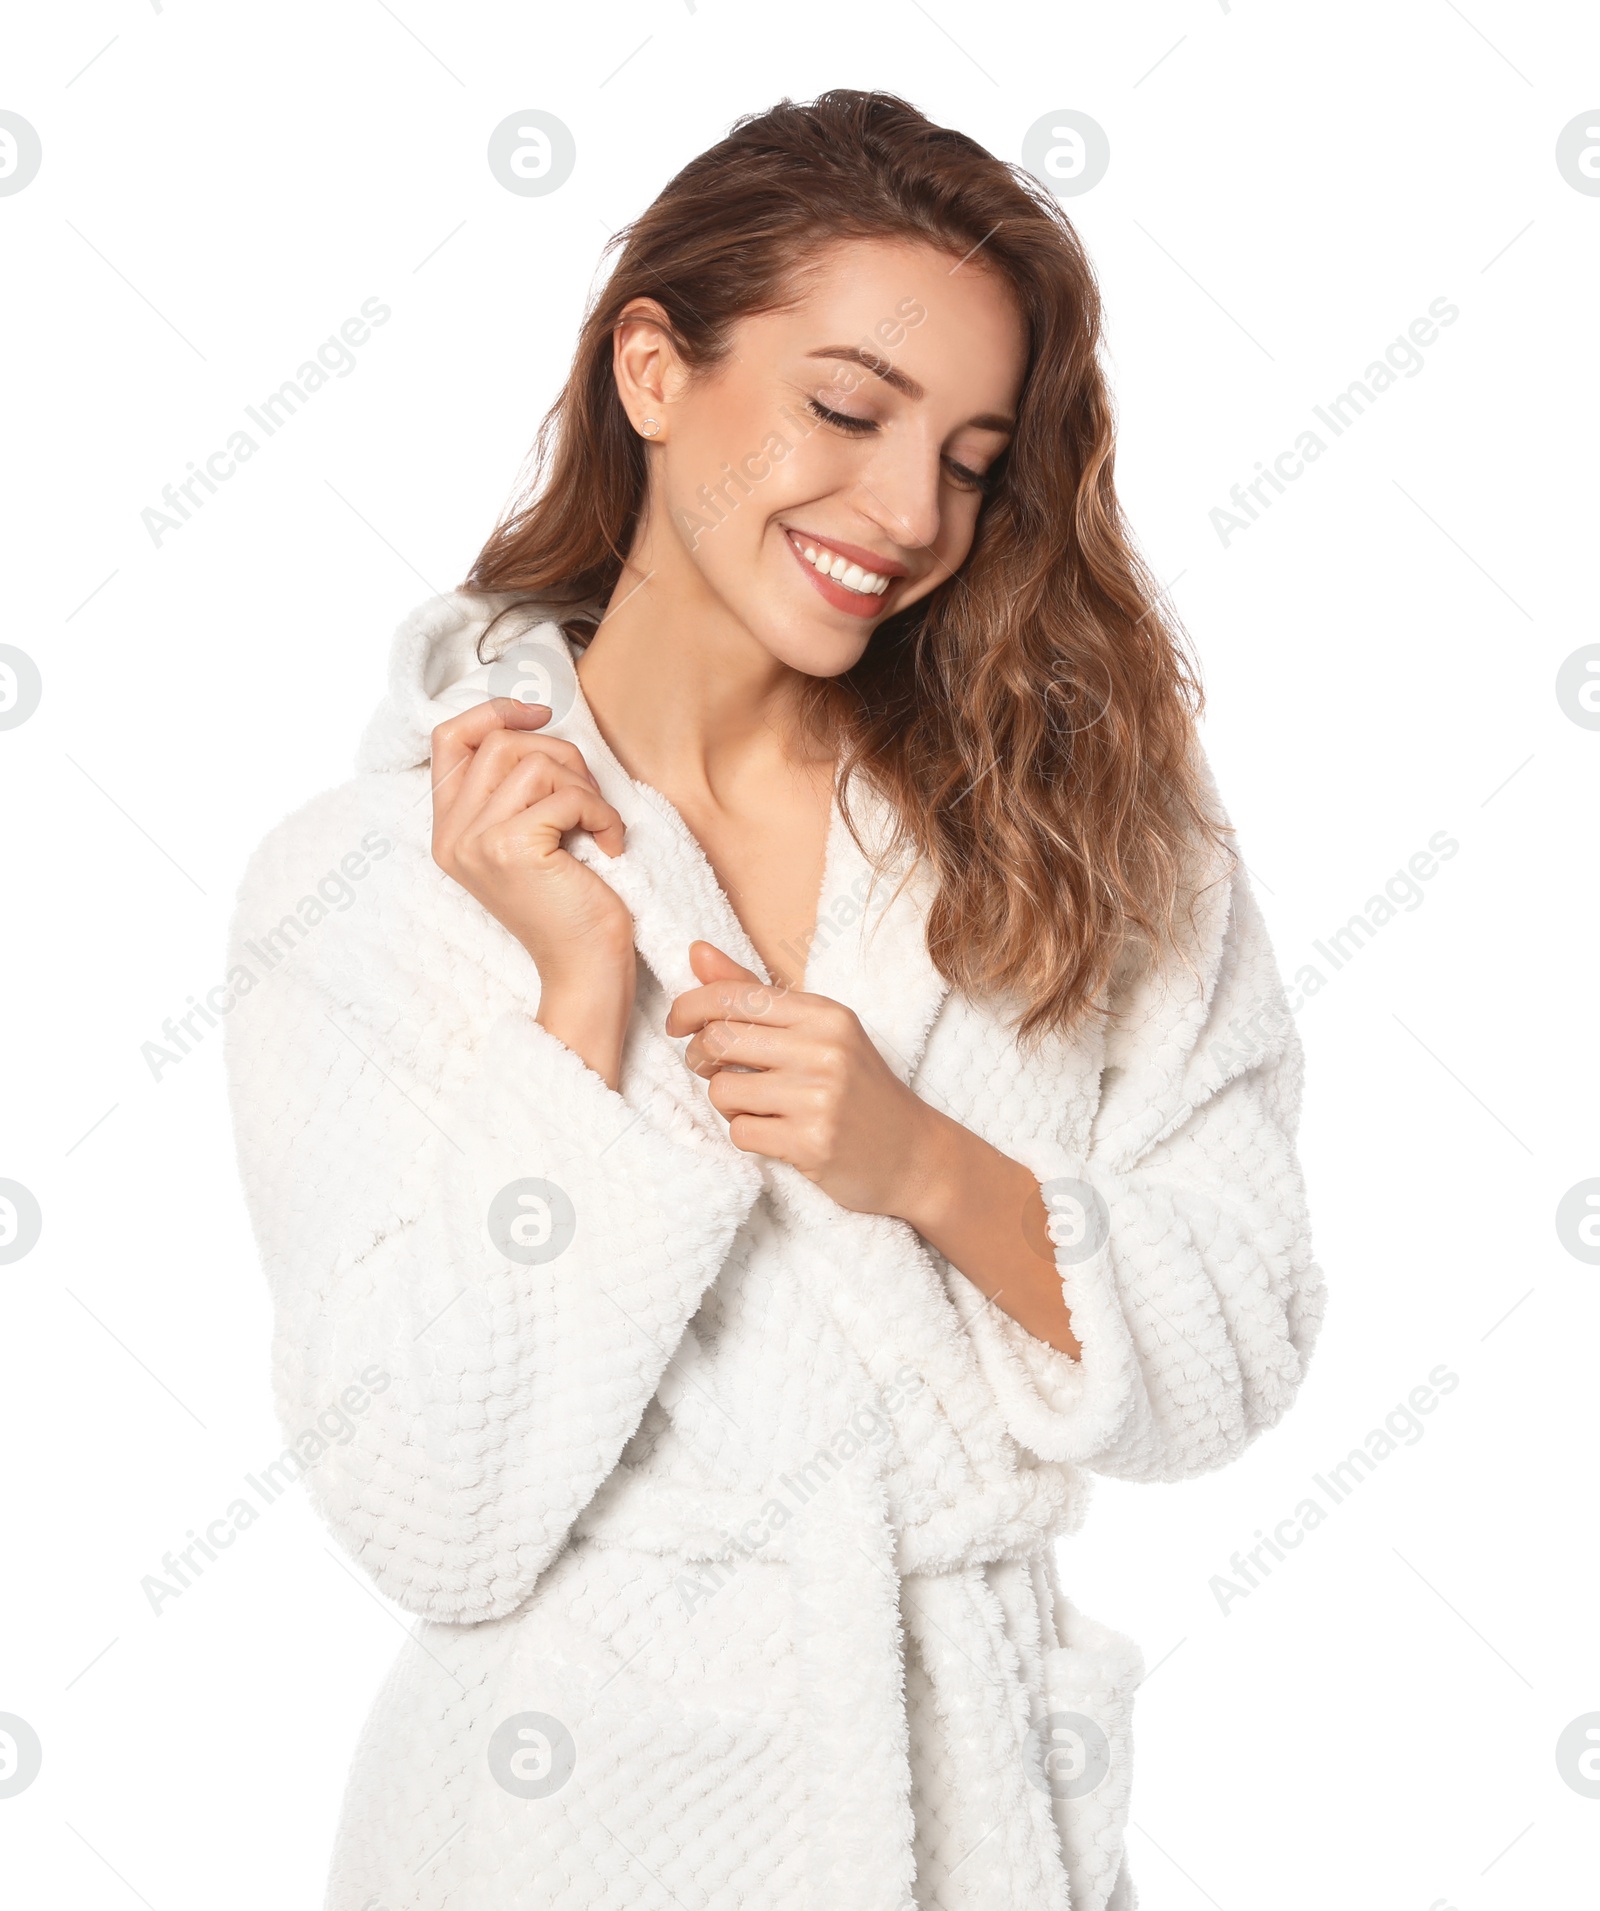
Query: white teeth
852	576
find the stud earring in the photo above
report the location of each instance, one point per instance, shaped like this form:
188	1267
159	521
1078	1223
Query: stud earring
649	426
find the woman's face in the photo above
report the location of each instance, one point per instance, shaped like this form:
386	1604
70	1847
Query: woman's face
852	431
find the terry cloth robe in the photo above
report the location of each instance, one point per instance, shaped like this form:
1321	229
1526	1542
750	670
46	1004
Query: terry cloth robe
726	1514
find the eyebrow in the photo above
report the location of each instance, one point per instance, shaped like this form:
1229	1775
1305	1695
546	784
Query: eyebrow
903	382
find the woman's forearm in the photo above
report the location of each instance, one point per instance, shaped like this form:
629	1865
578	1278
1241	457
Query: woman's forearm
984	1213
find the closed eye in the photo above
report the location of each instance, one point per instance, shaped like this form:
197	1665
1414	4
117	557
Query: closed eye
841	419
968	479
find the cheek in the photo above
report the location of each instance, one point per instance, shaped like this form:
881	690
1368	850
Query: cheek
713	516
958	524
726	500
714	468
797	470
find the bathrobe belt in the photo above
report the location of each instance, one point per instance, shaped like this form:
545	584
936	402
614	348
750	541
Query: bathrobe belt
862	1581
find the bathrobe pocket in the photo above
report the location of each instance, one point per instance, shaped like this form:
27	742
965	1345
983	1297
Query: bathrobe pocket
1082	1753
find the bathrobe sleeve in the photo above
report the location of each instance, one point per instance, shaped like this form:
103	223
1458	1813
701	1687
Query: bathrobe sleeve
482	1258
1181	1233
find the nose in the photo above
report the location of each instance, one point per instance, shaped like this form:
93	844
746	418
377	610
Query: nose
901	491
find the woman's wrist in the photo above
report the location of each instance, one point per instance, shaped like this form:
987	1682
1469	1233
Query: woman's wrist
972	1203
931	1171
591	1018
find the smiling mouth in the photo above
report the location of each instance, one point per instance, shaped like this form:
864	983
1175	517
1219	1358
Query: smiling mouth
830	564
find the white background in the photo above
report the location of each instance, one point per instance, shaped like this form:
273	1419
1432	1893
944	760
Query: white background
1290	186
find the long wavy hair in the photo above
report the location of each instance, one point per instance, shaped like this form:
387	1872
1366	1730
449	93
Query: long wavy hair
1031	722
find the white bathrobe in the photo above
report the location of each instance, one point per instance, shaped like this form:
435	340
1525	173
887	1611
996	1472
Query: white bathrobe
726	1513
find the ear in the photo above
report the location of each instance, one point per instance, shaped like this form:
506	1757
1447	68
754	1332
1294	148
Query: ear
711	965
645	362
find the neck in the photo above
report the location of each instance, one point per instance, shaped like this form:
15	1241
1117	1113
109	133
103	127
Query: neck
687	699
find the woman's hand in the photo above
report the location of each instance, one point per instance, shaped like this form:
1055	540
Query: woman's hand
818	1095
502	799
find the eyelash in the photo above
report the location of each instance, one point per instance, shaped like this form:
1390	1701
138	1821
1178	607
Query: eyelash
859	427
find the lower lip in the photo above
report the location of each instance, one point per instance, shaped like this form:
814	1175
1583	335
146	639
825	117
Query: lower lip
857	603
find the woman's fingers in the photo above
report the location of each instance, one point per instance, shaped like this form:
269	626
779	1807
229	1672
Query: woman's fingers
737	1002
711	964
762	1091
456	743
759	1135
490	764
726	1044
501	752
533	835
535	777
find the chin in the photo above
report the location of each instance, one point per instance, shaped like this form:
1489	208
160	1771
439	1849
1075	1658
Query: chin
815	651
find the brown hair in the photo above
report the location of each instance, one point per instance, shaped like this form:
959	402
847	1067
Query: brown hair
1030	721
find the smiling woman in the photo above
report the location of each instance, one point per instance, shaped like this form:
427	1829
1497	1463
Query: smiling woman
821	1088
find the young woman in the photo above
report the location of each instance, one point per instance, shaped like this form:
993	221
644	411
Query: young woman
818	1089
